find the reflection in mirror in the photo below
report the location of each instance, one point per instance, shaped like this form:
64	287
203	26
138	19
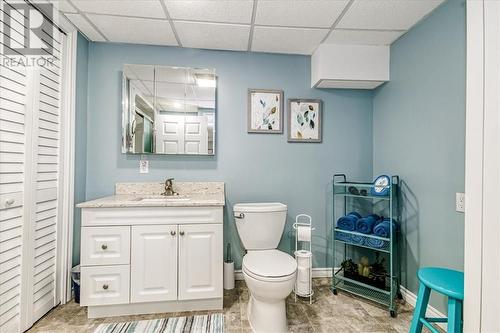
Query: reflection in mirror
168	110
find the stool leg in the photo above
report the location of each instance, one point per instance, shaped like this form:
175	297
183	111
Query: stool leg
454	315
420	308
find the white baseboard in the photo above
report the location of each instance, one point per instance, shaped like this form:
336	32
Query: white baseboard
408	296
432	312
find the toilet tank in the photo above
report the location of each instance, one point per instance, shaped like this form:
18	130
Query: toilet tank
260	225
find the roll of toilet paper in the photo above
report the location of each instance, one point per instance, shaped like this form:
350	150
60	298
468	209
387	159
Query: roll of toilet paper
303	281
304	262
229	275
304	233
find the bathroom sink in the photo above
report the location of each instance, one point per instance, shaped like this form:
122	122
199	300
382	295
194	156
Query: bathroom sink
177	198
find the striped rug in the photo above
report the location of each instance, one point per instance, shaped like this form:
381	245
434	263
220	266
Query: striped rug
213	323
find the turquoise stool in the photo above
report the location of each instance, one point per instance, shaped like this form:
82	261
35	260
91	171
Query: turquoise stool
447	282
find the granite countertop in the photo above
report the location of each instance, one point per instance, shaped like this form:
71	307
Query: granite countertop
191	194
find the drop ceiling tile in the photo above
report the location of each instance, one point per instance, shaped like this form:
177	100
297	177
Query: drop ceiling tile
227	11
63	6
299	13
287	40
213	35
363	37
138	8
386	14
134	30
84	26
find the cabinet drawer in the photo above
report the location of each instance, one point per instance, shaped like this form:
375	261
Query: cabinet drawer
105	285
105	246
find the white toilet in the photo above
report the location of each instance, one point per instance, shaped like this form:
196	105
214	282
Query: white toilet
269	273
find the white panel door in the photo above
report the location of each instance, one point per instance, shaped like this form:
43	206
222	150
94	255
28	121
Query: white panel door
195	135
169	134
153	263
200	261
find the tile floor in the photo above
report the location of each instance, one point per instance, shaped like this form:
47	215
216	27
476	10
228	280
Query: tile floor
328	313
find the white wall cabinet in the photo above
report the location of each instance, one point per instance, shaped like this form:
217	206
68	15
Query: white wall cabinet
148	268
350	66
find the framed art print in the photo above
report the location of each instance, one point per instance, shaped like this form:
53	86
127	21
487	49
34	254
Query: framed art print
304	120
265	111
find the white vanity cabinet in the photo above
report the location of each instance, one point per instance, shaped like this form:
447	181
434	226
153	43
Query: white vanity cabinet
155	259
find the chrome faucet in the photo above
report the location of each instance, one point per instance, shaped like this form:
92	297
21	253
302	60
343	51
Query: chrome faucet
169	188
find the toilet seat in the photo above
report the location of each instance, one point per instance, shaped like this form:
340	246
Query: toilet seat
269	265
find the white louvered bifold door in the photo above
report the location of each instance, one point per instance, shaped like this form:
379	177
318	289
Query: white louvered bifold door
42	201
13	83
30	141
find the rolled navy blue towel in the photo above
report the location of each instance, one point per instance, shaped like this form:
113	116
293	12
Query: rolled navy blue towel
383	229
358	215
374	242
348	222
365	225
375	216
343	236
357	239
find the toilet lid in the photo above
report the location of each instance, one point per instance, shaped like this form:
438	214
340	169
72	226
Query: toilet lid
269	263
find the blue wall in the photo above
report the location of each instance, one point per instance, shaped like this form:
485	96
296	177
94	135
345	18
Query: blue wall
413	126
255	167
419	133
82	51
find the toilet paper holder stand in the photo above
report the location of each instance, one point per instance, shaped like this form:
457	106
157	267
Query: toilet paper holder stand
303	230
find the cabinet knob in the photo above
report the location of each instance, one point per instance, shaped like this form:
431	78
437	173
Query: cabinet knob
181	233
9	202
172	233
104	246
105	286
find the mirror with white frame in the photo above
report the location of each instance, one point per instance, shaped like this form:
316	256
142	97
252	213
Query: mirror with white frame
168	110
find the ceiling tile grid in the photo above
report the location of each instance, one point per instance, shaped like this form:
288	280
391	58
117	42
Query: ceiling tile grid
299	13
286	40
363	37
226	11
134	30
217	36
386	14
85	27
275	26
63	6
134	8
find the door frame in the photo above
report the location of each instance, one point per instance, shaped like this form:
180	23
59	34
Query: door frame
67	188
482	168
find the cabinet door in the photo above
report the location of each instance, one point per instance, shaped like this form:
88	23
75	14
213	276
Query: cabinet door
200	261
153	263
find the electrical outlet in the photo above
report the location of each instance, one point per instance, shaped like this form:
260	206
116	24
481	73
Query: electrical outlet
143	166
460	202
